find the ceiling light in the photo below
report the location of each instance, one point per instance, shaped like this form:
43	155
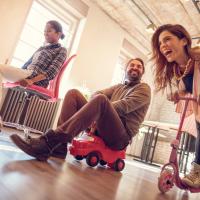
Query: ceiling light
151	28
197	4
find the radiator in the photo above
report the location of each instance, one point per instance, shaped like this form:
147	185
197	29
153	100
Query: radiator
40	114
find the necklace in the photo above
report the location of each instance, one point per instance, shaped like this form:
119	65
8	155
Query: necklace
177	73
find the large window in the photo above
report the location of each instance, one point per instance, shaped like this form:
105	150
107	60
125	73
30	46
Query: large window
127	52
32	36
119	72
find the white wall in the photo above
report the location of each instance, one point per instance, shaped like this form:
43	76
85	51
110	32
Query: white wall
163	110
98	51
13	15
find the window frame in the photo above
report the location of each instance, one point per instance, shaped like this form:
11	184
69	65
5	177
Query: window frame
61	12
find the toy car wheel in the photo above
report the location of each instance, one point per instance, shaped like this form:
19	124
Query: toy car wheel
78	157
102	162
92	159
119	165
165	181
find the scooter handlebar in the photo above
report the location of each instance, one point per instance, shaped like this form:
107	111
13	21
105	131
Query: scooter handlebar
188	98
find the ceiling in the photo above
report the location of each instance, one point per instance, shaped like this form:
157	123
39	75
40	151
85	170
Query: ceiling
135	15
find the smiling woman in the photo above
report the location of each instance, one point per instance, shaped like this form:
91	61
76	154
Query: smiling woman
40	12
169	43
44	64
173	48
176	62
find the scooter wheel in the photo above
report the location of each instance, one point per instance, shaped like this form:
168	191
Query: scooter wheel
165	181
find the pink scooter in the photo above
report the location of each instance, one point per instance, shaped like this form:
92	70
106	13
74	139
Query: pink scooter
170	171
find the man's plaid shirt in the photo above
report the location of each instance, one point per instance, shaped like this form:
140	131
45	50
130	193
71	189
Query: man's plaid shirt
48	62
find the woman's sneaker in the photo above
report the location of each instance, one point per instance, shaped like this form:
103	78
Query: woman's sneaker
193	178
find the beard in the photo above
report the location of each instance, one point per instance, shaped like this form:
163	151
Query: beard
132	78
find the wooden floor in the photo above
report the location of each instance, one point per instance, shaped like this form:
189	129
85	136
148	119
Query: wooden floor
23	178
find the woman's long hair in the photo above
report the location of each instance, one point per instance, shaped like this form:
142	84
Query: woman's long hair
163	70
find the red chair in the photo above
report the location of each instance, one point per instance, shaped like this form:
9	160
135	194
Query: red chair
49	94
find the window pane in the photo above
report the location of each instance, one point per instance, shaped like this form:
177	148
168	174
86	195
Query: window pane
23	52
119	72
16	63
32	36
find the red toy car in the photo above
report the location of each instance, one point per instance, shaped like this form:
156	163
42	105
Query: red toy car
95	151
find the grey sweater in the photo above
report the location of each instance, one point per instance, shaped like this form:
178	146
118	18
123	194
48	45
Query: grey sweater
131	101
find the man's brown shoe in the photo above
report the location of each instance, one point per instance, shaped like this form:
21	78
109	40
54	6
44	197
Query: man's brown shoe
49	144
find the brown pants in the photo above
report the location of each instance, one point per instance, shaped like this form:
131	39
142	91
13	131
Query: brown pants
77	115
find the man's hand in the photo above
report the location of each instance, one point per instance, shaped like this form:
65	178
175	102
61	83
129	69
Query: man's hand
26	82
175	143
173	97
93	127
